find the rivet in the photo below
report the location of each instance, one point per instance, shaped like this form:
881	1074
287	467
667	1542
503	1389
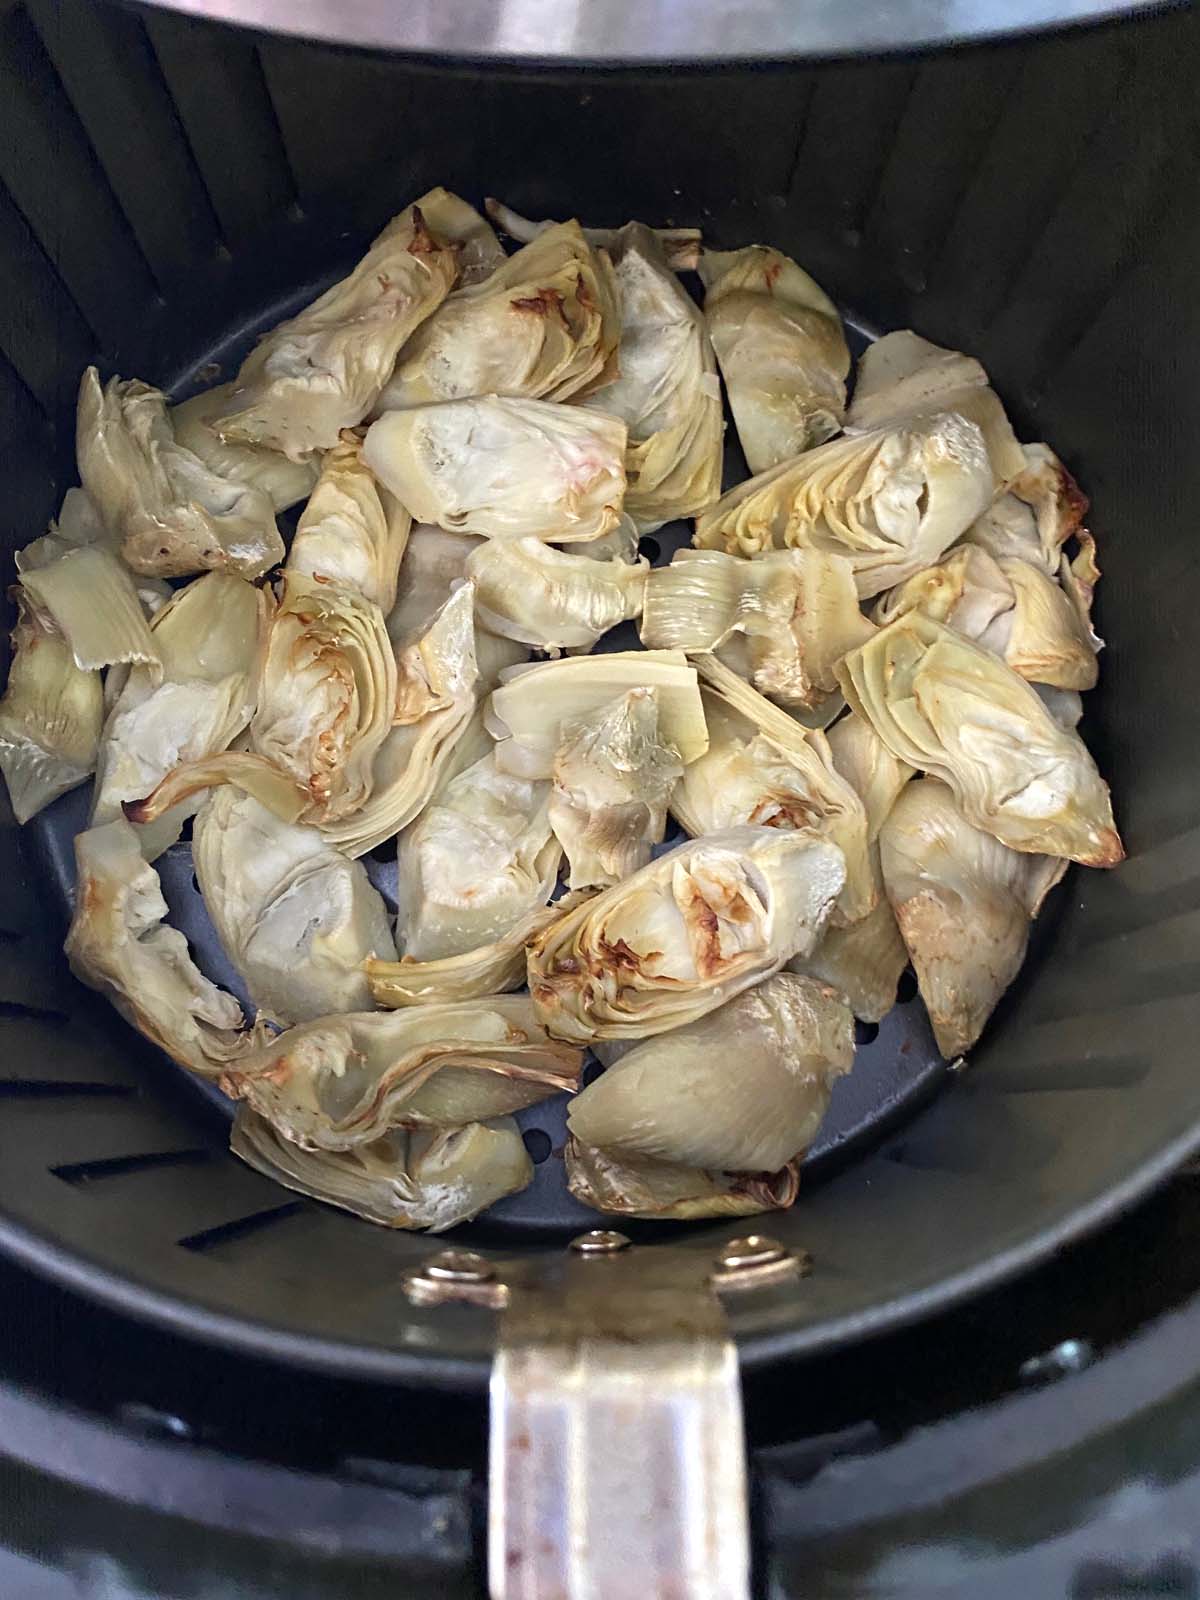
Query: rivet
459	1266
599	1242
754	1250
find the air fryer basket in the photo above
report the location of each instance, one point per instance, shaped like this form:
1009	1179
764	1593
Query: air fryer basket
168	188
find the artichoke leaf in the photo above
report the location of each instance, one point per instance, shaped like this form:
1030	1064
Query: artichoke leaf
742	1089
763	770
681	246
869	767
323	370
1043	508
293	914
503	468
634	1186
119	945
430	1178
783	355
963	902
352	532
689	931
903	377
619	543
495	968
340	1082
544	325
613	776
890	501
796	609
209	636
283	481
90	599
862	960
552	599
1008	605
171	513
529	709
452	218
667	391
438	684
50	716
952	709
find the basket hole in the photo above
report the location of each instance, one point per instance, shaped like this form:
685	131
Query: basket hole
209	1238
591	1072
80	1172
385	851
538	1143
865	1032
650	548
906	989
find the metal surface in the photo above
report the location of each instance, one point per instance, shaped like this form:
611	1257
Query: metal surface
618	33
617	1461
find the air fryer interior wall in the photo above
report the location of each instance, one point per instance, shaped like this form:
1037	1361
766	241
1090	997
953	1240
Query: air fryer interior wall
165	182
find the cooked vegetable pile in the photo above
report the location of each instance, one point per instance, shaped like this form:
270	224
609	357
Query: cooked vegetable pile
857	695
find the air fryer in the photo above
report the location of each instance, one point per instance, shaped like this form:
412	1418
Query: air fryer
172	187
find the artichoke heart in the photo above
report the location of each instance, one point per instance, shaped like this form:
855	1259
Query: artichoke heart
1010	607
762	769
952	709
742	1089
294	915
434	565
890	501
667	392
327	694
438	681
451	217
1043	508
963	902
171	512
689	931
903	377
552	599
119	944
431	1178
341	1082
530	708
283	481
543	326
503	468
323	370
89	599
209	636
613	776
796	609
634	1186
782	351
50	716
352	532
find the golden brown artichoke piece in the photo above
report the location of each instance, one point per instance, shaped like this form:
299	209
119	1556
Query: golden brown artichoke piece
795	611
552	599
543	325
963	902
119	945
634	1186
742	1089
688	932
352	532
779	340
955	711
666	390
340	1082
323	370
890	501
50	716
503	468
902	377
170	512
431	1178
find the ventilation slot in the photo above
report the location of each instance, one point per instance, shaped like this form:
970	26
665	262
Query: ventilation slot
49	1089
210	1238
83	1172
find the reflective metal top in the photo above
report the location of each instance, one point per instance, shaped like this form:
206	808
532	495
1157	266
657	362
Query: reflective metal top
565	33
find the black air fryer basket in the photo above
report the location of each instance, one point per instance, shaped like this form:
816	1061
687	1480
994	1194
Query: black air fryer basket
169	188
